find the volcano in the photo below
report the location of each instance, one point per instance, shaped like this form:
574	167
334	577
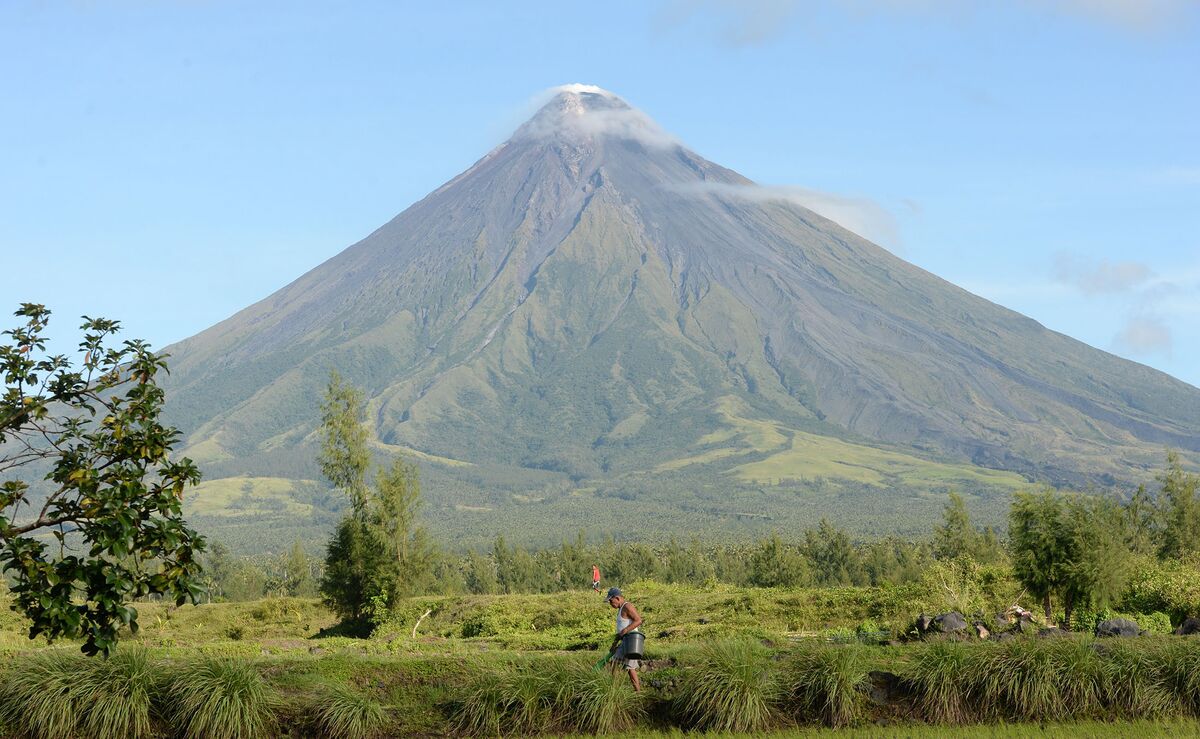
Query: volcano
595	327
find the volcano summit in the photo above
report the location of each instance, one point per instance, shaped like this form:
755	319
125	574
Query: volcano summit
594	324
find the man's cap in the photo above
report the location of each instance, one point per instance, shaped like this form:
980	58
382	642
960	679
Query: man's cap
612	593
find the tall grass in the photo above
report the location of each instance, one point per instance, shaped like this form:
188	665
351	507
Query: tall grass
732	687
40	698
116	696
941	678
1134	684
829	683
341	712
596	701
59	693
1179	666
220	698
518	700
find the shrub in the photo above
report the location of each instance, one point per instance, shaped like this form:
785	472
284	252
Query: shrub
220	698
828	683
343	713
731	687
1042	679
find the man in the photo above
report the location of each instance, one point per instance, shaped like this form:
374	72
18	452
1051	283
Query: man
628	620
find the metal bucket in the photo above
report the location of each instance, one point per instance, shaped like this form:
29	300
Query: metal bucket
632	644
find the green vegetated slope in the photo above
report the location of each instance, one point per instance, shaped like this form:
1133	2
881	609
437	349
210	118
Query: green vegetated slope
592	311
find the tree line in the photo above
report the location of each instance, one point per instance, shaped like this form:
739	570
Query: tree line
1072	551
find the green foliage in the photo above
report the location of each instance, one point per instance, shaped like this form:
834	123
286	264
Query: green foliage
42	699
111	483
772	565
220	698
957	537
829	683
732	686
340	712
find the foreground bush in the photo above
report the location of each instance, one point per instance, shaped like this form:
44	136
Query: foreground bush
220	698
596	701
731	686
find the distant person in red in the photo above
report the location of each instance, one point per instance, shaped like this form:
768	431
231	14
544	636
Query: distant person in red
596	578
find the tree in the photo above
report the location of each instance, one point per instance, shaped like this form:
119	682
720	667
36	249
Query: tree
113	499
344	456
833	558
774	565
1040	545
407	555
378	553
1179	509
1070	547
957	537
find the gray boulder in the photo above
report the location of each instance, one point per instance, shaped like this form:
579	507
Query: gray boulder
1117	627
1188	627
950	623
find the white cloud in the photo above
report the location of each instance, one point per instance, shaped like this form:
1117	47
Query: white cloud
1100	276
591	111
862	216
1143	335
752	22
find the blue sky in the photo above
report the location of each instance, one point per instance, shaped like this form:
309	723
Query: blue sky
167	163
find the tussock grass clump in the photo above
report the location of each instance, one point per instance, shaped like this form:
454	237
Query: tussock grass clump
1179	668
117	695
517	700
220	698
40	697
732	686
341	712
942	677
596	701
829	683
1134	686
64	694
1043	679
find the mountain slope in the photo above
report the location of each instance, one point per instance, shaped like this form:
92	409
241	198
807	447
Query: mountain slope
592	301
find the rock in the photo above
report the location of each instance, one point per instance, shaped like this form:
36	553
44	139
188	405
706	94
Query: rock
665	634
885	688
950	623
1025	626
702	620
1003	636
924	622
316	650
1117	627
1188	627
1051	632
981	631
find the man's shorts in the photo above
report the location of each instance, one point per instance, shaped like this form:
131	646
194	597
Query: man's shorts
620	660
